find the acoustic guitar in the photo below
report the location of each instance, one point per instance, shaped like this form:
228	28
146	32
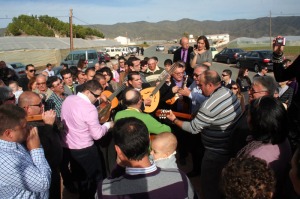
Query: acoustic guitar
162	114
176	97
105	108
153	92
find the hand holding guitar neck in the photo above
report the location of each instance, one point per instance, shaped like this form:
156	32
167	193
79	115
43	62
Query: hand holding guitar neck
184	91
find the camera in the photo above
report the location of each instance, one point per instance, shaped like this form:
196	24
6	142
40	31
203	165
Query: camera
280	41
195	46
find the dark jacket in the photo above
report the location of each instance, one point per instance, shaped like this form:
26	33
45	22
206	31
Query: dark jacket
177	57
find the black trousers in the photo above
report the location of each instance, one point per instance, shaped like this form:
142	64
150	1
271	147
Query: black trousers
87	170
64	167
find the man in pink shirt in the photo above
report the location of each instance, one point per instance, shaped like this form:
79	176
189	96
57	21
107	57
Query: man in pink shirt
80	119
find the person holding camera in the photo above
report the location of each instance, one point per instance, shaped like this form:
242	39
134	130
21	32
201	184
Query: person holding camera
202	53
281	74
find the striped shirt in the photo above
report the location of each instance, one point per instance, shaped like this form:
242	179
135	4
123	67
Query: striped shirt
215	120
151	182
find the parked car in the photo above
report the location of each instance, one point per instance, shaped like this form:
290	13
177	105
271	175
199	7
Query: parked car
125	51
255	59
18	67
103	57
114	52
90	56
172	49
214	51
228	55
160	48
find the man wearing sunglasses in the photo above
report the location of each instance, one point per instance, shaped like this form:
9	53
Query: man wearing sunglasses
226	79
30	73
82	127
32	104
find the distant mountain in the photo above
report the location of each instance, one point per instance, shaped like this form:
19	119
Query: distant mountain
168	30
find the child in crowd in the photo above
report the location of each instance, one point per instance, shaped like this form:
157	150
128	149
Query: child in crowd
163	150
17	91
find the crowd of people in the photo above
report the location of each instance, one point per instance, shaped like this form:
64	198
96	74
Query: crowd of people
100	129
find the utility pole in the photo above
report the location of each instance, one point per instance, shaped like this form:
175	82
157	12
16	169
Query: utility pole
271	43
71	30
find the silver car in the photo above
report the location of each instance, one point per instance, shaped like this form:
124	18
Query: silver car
18	67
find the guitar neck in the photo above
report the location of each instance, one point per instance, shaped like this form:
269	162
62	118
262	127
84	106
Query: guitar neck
183	115
112	96
163	77
161	83
162	113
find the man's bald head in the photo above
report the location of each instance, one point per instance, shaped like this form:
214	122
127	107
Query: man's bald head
132	97
184	42
26	98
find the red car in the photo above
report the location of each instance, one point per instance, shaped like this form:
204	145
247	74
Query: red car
103	56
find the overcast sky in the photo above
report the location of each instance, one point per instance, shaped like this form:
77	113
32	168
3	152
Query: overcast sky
115	11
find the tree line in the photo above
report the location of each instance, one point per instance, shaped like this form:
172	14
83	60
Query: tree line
47	26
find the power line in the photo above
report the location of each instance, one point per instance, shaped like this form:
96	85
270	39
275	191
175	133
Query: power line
95	27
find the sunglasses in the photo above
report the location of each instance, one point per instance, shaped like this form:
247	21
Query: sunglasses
32	71
234	88
95	95
39	105
224	75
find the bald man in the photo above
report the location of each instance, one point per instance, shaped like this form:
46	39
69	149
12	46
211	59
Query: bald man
183	54
133	101
32	104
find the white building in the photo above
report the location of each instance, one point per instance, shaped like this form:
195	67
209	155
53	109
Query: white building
122	40
218	39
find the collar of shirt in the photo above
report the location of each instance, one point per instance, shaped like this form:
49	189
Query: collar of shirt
83	96
9	145
150	71
131	108
179	84
137	171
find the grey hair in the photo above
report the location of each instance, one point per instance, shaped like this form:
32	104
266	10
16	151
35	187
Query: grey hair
267	82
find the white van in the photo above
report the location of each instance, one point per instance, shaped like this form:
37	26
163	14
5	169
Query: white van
90	56
114	52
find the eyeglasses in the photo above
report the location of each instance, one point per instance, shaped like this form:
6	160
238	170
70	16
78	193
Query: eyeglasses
121	62
41	83
196	75
234	88
95	95
182	73
224	75
253	91
40	104
32	71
